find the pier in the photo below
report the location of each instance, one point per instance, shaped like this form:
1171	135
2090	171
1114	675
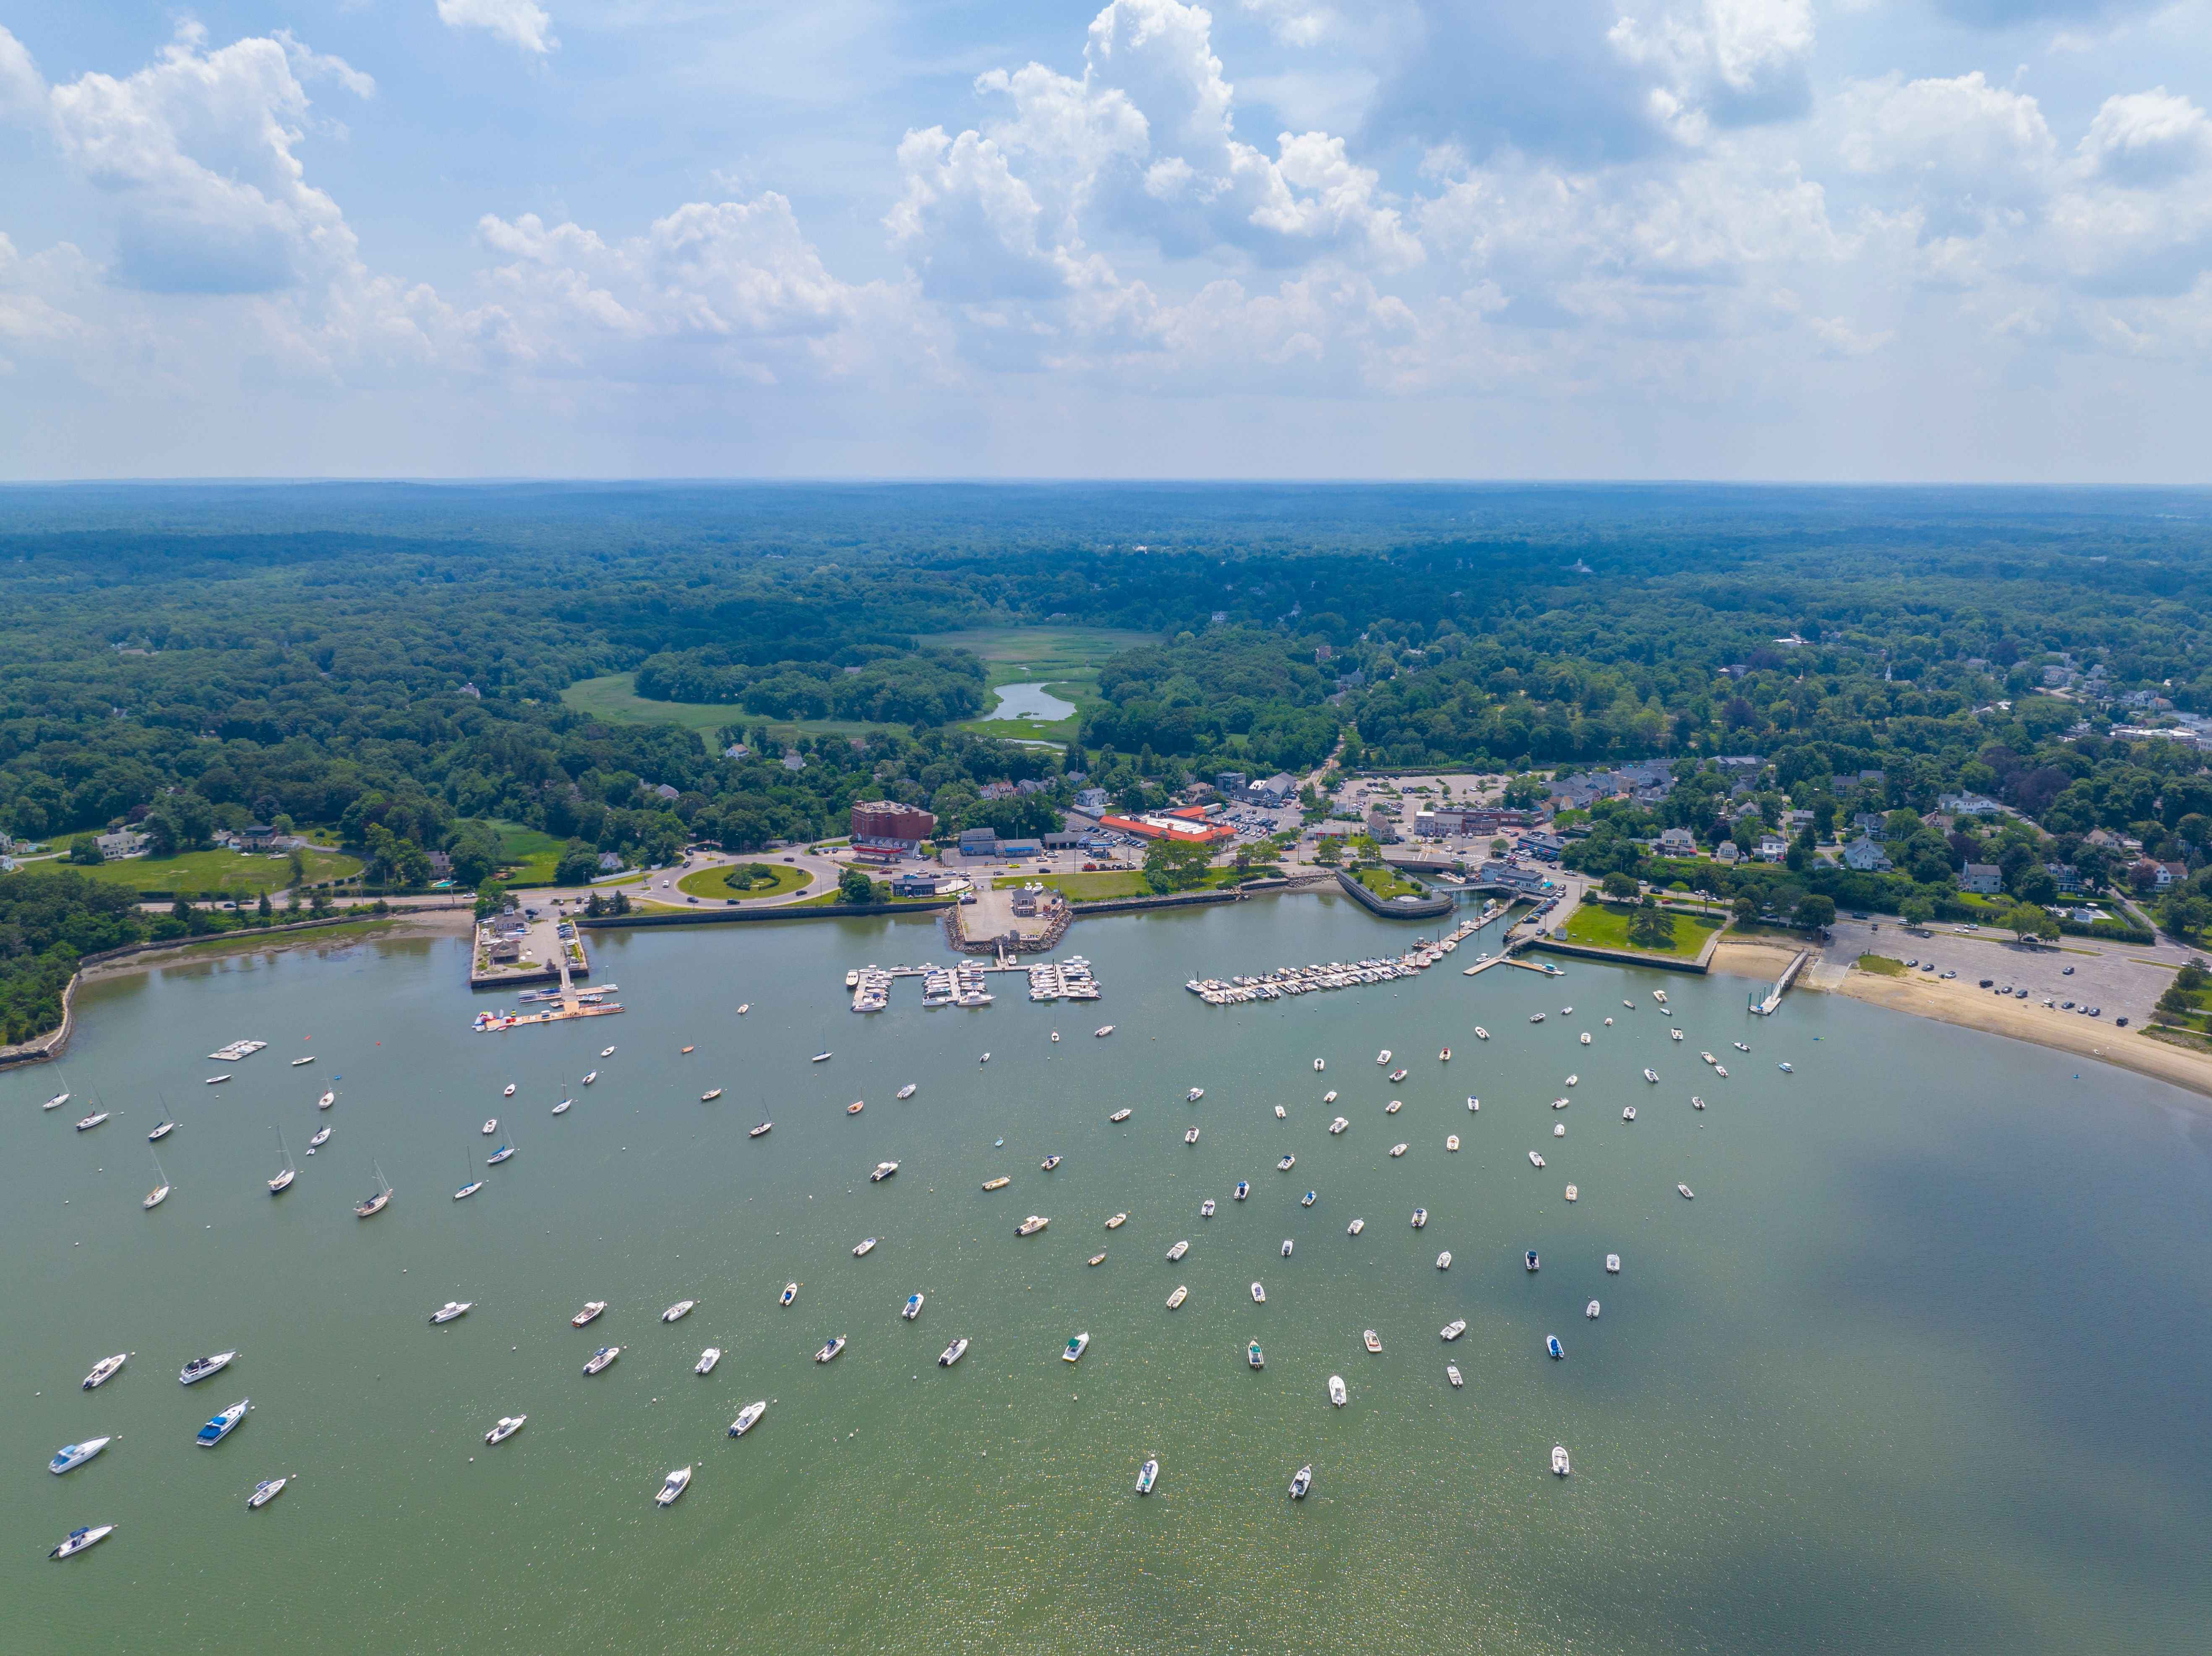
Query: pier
569	1002
965	984
1765	1008
1288	981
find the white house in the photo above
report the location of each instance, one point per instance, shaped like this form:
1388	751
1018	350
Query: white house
1677	842
1867	858
1771	848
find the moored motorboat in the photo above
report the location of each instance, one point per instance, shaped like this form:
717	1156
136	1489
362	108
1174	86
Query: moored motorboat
1117	1221
1338	1125
1721	1070
1176	1299
1530	1262
1696	1102
1444	1260
864	1248
1573	1193
603	1359
591	1308
953	1353
1329	1097
1421	1217
1301	1481
1254	1358
1687	1194
1453	1330
1613	1264
1451	1140
1628	1113
1785	1069
1336	1394
1121	1114
505	1428
1559	1463
1399	1149
1281	1114
77	1540
74	1455
1205	1208
678	1312
710	1095
200	1368
1147	1475
906	1091
267	1490
1104	1030
830	1348
1481	1034
912	1308
1591	1310
1536	1159
1535	1017
1398	1075
1452	1373
1243	1189
1181	1248
790	1292
451	1308
1259	1293
1742	1047
1077	1344
882	1171
1355	1227
1191	1137
1286	1163
104	1370
749	1417
674	1485
1394	1107
1319	1066
1195	1095
1444	1057
1552	1348
1049	1163
1031	1226
1308	1199
1651	1076
1382	1056
223	1424
1097	1259
1371	1340
1474	1105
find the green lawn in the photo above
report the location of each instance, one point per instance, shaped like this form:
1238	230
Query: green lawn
1881	965
715	882
231	872
529	856
1081	888
1387	883
1601	925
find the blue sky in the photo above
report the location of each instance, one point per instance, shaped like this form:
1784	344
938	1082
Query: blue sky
1777	239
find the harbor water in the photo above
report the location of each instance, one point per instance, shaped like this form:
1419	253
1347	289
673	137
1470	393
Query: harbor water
1919	1368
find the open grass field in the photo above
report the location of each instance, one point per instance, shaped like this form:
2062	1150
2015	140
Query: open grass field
1065	659
1080	888
715	882
1600	926
1881	965
531	856
231	872
614	699
1387	883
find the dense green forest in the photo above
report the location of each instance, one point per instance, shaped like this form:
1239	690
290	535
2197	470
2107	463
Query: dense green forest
388	661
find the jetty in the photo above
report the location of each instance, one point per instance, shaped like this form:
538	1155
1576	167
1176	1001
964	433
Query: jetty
1764	1005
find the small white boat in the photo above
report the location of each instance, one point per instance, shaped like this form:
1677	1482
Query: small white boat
1590	1310
603	1359
864	1248
1254	1358
1301	1481
1077	1344
1329	1097
77	1540
591	1077
104	1370
856	1107
1721	1070
1651	1076
1785	1069
1319	1067
912	1308
676	1483
1286	1163
1453	1330
882	1171
790	1292
74	1455
1383	1058
592	1309
759	1130
710	1095
1560	1130
1372	1340
1481	1034
1336	1389
1147	1475
1281	1114
609	1052
1574	1194
1307	1200
1191	1137
1355	1227
506	1427
1181	1248
748	1417
999	1183
1394	1107
1421	1217
468	1189
223	1424
1608	1023
1176	1299
1444	1057
1048	1164
200	1368
1659	995
1286	1248
451	1309
298	1062
1195	1095
1399	1149
1452	1373
906	1091
56	1101
1674	1034
1687	1194
490	1126
678	1312
326	1100
1534	1160
215	1081
322	1137
1552	1348
1708	1057
1055	1037
830	1349
819	1058
161	1131
1535	1017
92	1121
1451	1140
1613	1264
1121	1114
1584	1037
1205	1208
1398	1075
1696	1102
1529	1262
507	1091
1104	1030
1117	1221
1029	1227
743	1007
1243	1189
1444	1260
1259	1294
269	1488
1473	1104
1740	1047
1560	1464
1338	1125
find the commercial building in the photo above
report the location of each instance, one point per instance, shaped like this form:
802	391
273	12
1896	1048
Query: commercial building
886	823
1189	825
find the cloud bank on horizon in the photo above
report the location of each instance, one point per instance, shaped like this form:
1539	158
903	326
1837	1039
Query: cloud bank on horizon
1872	239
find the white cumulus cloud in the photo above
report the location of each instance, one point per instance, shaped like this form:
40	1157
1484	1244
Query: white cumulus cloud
523	23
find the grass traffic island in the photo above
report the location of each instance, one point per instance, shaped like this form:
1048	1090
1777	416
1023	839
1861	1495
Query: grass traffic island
1604	926
1881	965
233	873
746	882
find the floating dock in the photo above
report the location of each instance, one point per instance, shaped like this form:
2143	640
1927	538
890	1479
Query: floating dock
1290	980
965	983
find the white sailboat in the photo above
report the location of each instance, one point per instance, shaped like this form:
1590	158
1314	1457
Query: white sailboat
159	1193
370	1206
285	1176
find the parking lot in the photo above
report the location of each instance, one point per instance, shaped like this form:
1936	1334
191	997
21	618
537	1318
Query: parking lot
2124	980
